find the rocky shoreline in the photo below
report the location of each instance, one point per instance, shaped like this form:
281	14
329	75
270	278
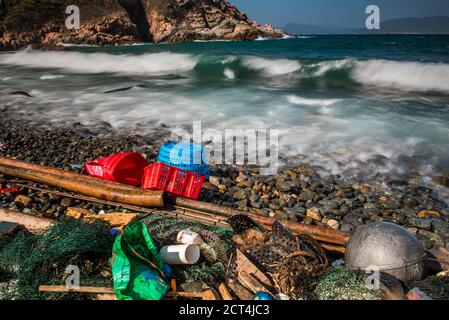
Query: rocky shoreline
297	193
120	22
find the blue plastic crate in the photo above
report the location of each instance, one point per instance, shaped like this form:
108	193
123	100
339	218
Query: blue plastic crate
181	155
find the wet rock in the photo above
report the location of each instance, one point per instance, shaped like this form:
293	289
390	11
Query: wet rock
345	227
245	184
420	223
334	224
409	201
353	219
297	212
242	205
308	220
314	213
256	204
241	194
391	204
241	178
66	202
440	227
306	195
209	186
442	181
215	181
283	186
24	200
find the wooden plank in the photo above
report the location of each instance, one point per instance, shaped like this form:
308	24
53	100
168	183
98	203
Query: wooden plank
186	295
239	290
109	291
210	295
31	223
106	297
244	264
94	290
248	281
225	294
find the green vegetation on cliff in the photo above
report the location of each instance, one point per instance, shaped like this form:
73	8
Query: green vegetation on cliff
27	15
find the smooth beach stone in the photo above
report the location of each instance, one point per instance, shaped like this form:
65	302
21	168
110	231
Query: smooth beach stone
420	223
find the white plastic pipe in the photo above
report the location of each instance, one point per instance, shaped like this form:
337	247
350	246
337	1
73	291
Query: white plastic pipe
180	254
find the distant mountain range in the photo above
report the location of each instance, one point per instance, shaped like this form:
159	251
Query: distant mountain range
431	25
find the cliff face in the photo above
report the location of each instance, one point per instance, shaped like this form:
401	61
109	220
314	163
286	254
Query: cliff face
111	22
42	23
187	20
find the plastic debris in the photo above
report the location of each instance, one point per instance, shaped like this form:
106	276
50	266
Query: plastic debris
175	181
136	266
126	168
417	294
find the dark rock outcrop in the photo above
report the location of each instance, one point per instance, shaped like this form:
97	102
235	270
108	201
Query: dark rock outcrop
137	14
116	22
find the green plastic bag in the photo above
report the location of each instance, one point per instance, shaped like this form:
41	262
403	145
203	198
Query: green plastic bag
136	266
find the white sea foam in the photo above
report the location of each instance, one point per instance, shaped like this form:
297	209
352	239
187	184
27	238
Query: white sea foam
51	76
147	64
272	67
229	73
294	99
408	76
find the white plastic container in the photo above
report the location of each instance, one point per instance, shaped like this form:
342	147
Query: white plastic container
180	254
187	236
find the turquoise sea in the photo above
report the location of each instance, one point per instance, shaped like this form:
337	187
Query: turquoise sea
354	105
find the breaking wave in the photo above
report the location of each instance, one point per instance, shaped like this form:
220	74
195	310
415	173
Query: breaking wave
400	75
404	76
408	76
163	63
272	67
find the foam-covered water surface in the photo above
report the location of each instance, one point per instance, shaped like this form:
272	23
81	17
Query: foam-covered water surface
354	105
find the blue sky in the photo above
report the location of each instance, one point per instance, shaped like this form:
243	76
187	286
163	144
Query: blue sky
337	13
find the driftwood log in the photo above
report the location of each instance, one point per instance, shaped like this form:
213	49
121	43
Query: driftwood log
89	186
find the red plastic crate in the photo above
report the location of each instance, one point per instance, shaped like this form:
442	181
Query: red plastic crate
157	176
194	185
178	181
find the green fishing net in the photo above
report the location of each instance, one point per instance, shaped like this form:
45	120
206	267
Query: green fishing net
340	283
39	260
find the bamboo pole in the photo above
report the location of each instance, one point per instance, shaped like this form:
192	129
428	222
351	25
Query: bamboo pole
318	233
59	172
100	189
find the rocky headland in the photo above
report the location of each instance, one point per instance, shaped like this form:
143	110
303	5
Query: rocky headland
118	22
